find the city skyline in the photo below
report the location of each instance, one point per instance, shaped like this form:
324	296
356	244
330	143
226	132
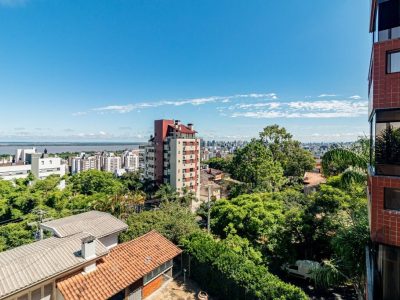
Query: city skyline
72	73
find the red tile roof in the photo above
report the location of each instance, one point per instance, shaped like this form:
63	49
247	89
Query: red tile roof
125	264
183	129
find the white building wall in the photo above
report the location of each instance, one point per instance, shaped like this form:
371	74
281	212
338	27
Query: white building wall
14	172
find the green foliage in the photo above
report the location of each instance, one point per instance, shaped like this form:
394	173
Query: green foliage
337	161
219	163
288	152
255	217
95	181
254	165
231	274
172	220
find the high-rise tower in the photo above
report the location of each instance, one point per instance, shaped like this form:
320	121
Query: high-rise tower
173	156
383	256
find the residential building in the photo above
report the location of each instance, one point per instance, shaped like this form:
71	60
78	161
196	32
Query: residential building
23	156
40	164
142	149
85	163
132	270
103	226
130	160
76	263
44	166
111	163
383	256
11	172
173	156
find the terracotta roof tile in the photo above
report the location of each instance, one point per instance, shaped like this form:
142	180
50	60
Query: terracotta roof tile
125	264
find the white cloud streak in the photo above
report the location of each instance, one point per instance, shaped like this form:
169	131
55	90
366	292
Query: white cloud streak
193	101
326	95
321	109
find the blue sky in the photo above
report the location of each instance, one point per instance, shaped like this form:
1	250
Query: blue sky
97	70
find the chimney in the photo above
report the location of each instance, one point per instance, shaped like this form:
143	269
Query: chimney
88	252
190	125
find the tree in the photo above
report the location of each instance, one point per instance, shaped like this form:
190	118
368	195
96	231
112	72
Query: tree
255	217
171	220
219	163
166	193
288	152
254	165
230	269
95	181
132	181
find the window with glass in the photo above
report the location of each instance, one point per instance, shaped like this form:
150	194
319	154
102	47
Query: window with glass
387	143
389	268
392	199
393	62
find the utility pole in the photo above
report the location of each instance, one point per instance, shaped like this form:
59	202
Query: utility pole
40	213
208	208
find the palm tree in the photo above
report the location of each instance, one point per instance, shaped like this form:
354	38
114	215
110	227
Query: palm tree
166	193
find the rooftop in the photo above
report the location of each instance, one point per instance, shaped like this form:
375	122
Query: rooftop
97	223
125	264
313	179
30	264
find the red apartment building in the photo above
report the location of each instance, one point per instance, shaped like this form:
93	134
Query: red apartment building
383	255
172	156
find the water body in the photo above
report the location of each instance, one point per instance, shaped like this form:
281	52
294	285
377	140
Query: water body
10	147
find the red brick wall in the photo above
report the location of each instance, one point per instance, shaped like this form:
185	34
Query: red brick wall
386	86
385	224
160	132
152	286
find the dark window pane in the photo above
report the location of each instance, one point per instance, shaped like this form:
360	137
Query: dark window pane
388	14
392	199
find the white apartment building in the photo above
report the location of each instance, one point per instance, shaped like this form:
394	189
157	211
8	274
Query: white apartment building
23	156
173	156
85	163
11	172
130	160
111	163
43	166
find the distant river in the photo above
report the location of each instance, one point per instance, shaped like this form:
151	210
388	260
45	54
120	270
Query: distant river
9	148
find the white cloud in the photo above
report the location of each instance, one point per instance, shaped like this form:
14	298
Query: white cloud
355	97
191	101
301	109
326	95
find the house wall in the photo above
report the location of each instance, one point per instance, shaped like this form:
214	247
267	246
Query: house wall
152	286
384	224
110	241
386	91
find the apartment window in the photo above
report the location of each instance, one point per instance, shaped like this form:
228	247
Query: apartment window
393	62
392	199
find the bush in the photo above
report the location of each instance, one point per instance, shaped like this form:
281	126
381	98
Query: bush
230	275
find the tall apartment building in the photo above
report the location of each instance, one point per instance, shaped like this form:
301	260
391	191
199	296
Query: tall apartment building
111	163
173	156
130	160
85	163
383	256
